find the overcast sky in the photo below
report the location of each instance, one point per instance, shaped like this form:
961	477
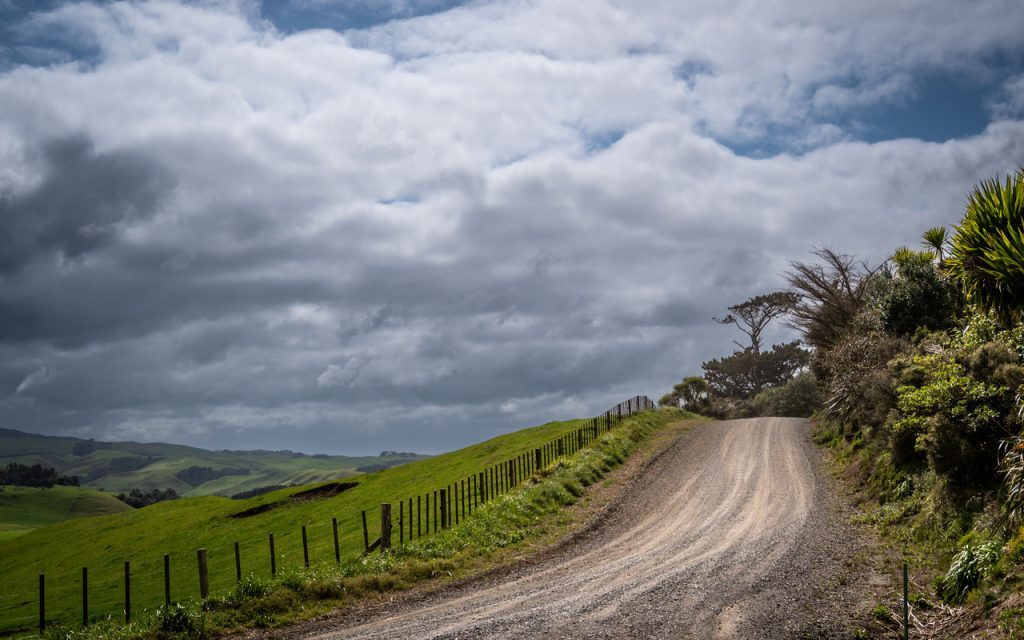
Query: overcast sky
343	226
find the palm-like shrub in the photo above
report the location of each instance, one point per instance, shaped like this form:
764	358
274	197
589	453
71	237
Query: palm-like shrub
987	254
935	239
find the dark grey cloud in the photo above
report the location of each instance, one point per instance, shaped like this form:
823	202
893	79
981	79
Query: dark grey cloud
84	200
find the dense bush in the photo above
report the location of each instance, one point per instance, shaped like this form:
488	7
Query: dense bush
34	476
953	418
138	498
746	373
916	295
798	398
857	385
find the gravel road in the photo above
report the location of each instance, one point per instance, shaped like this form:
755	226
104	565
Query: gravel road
730	533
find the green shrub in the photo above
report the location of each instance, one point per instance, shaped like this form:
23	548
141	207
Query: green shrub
251	586
881	612
181	619
918	296
972	564
798	398
953	418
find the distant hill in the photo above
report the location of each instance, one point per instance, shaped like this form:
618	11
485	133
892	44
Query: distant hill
23	509
121	466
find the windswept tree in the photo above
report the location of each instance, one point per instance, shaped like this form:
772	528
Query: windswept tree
831	295
752	317
987	256
750	370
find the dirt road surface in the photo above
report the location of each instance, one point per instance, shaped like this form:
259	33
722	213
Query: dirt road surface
730	533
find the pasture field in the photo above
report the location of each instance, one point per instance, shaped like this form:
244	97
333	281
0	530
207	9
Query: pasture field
180	527
23	509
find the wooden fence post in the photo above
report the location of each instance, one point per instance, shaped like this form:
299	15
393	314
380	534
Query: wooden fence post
204	574
127	592
385	527
337	546
419	518
444	511
85	596
305	548
42	603
401	522
410	519
273	558
366	534
238	564
167	579
455	500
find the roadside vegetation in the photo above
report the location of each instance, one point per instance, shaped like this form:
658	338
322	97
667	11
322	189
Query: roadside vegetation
915	371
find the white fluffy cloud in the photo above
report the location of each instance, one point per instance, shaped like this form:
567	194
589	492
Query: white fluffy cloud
416	234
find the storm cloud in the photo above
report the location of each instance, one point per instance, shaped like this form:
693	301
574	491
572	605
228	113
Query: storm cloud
424	230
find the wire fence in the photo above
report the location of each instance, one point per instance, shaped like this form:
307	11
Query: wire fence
121	592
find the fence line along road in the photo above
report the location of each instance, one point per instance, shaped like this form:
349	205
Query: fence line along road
436	509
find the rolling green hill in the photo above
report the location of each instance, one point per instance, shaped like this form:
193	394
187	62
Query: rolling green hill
23	509
180	527
121	466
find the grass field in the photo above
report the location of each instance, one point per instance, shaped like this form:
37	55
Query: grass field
122	466
180	527
23	509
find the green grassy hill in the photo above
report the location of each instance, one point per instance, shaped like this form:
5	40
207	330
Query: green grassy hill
23	509
180	527
121	466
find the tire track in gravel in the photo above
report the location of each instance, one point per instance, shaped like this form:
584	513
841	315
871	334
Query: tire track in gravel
714	522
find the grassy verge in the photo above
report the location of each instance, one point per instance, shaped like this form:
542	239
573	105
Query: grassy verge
526	518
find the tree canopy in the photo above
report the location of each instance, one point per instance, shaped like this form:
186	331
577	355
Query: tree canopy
752	316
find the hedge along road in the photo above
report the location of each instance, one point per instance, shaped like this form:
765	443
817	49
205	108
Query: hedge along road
722	536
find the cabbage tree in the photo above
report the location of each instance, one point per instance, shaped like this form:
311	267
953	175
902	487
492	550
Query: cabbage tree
987	250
